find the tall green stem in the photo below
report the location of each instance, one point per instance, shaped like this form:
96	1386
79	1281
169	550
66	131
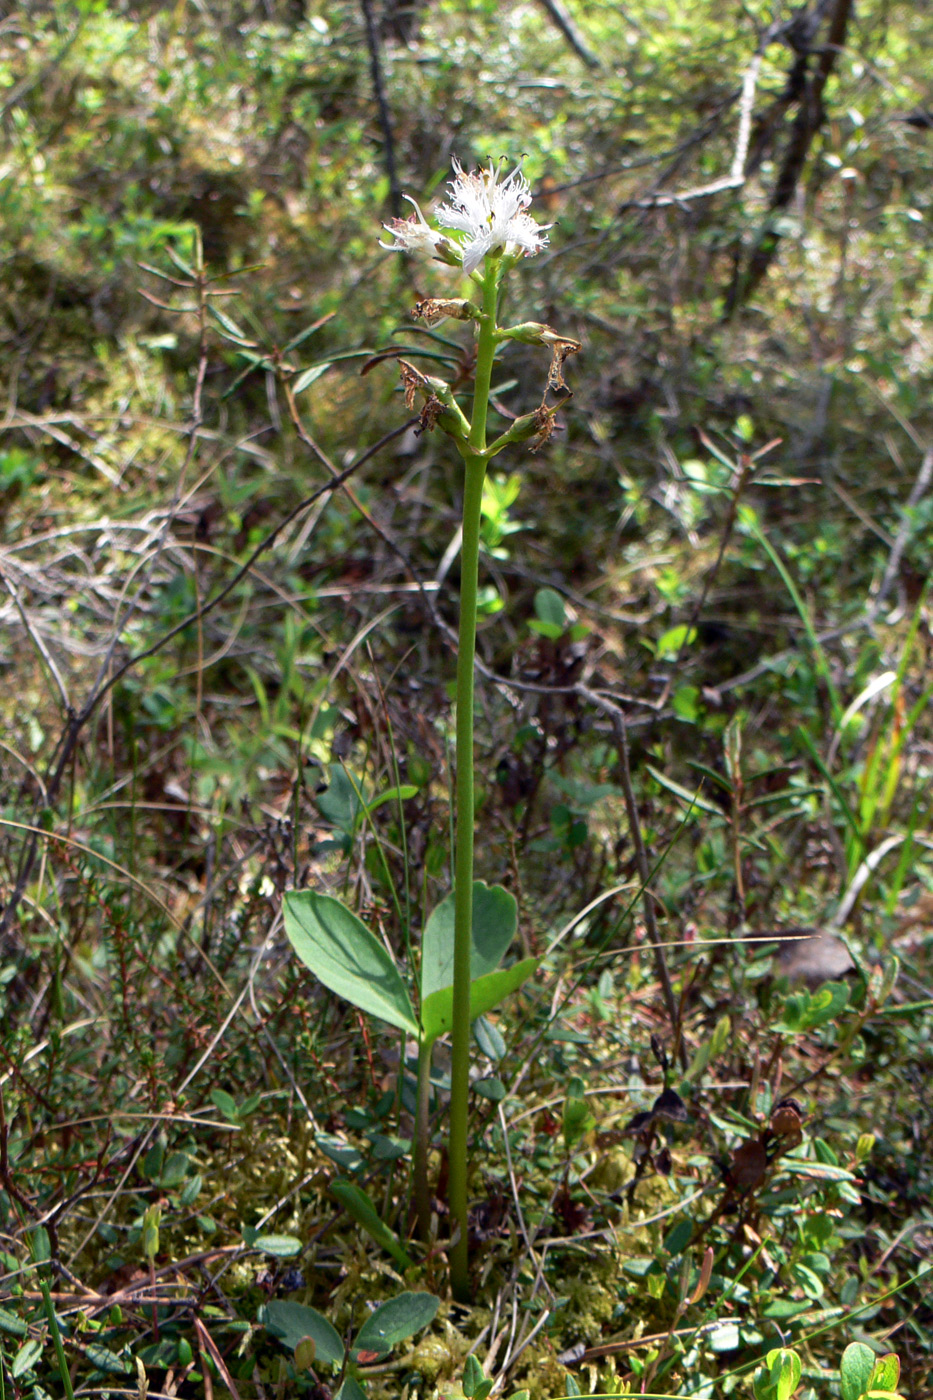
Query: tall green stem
475	464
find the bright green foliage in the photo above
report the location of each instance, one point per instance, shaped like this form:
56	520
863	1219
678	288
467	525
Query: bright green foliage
295	1325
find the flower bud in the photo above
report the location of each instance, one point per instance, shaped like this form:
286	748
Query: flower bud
432	310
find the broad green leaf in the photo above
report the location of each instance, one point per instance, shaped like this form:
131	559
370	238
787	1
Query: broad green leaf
809	1281
350	1390
343	954
281	1246
826	1004
358	1205
550	607
672	642
11	1324
577	1118
495	918
24	1360
489	1038
551	630
785	1371
290	1322
686	703
725	1337
855	1371
473	1376
343	1154
394	1321
174	1171
485	993
886	1373
341	802
305	1353
103	1359
192	1190
226	1103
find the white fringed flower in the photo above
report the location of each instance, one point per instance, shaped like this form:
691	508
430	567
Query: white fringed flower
491	212
487	210
414	234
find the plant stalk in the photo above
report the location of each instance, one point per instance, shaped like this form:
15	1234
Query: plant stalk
420	1163
475	464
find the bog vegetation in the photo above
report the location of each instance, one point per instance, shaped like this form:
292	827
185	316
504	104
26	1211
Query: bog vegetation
689	1042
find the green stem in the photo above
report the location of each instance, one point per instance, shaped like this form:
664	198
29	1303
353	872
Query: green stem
55	1330
475	464
420	1163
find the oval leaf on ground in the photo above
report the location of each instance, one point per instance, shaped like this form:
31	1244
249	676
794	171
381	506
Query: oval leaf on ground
281	1246
485	993
350	1390
495	919
291	1322
886	1372
343	954
394	1321
27	1356
858	1362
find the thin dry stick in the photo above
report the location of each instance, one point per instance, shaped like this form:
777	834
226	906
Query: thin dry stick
68	739
644	870
920	488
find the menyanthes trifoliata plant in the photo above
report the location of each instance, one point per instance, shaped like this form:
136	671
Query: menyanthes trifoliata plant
484	231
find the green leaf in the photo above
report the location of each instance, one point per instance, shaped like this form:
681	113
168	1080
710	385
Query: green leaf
485	993
495	919
826	1004
358	1205
106	1360
391	1323
886	1373
280	1246
290	1322
343	954
550	608
308	376
545	629
150	1231
192	1190
693	799
686	703
473	1376
40	1246
672	642
855	1370
726	1337
784	1366
11	1324
810	1282
225	1103
27	1356
351	1390
341	802
393	794
174	1171
489	1038
577	1119
305	1353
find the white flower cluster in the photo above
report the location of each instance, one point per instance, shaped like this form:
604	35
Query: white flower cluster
489	213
